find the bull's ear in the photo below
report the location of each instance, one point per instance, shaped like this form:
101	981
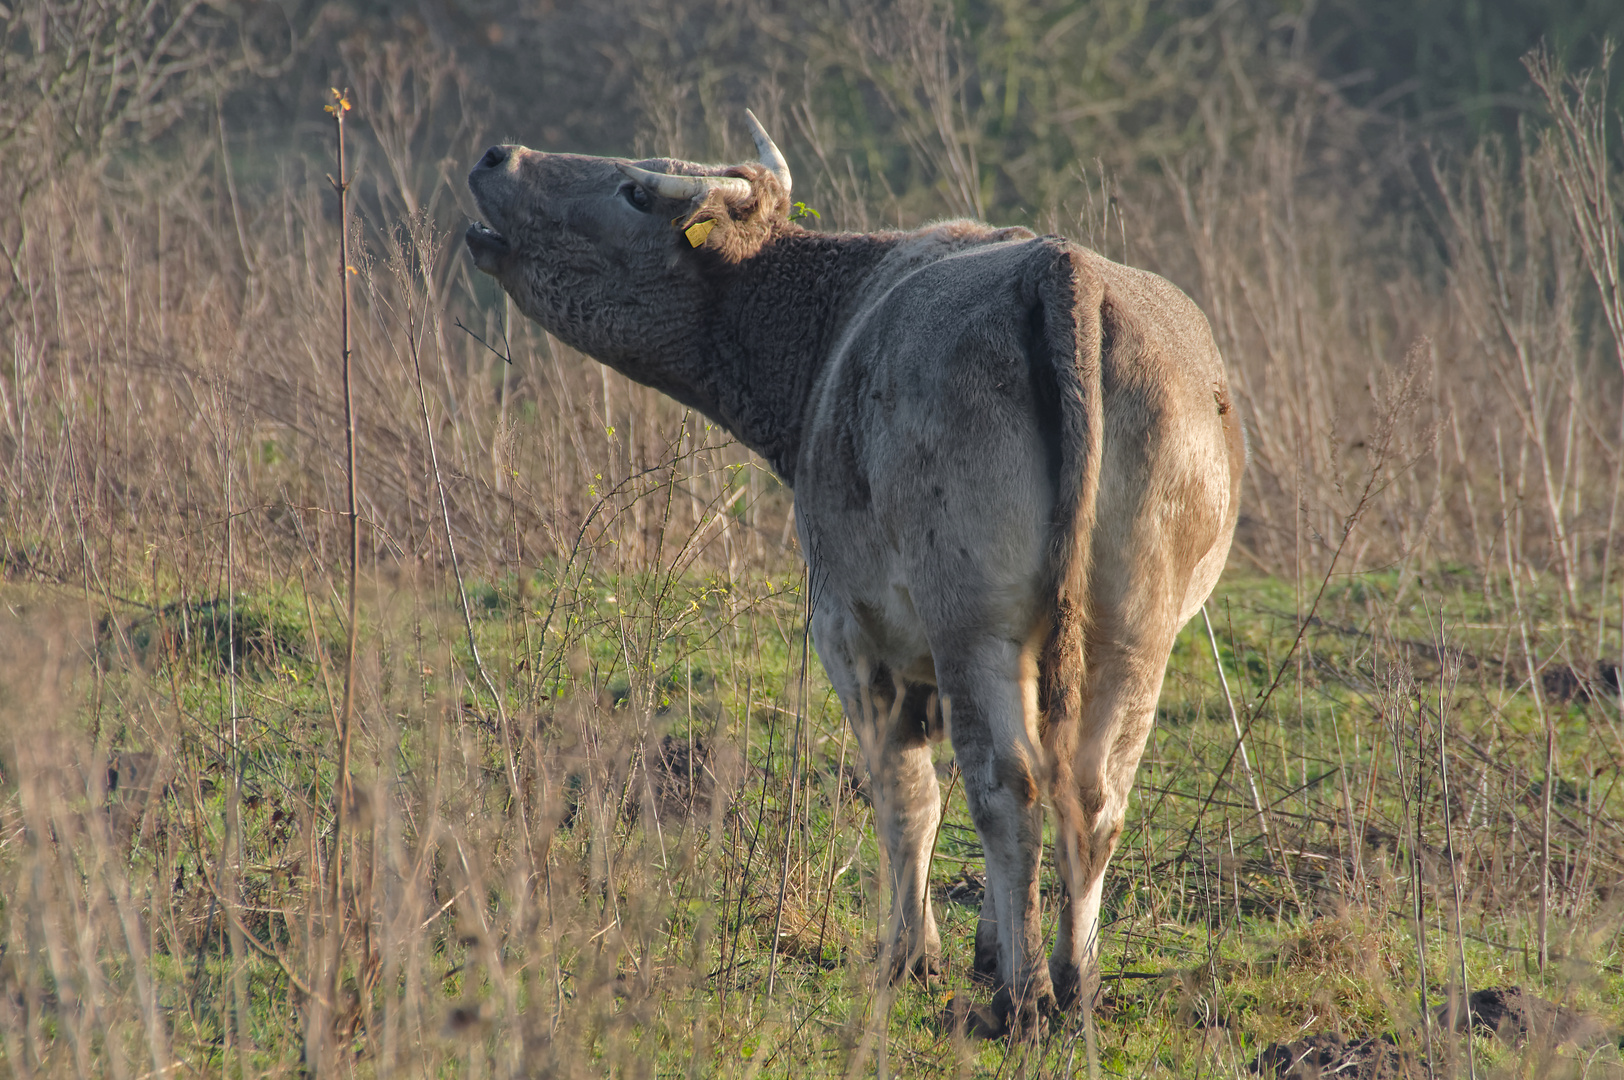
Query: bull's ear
736	228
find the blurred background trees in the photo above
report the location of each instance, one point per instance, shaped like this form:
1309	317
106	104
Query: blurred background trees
924	106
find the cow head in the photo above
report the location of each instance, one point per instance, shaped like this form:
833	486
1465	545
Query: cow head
602	251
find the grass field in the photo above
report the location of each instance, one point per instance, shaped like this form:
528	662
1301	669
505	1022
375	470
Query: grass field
588	878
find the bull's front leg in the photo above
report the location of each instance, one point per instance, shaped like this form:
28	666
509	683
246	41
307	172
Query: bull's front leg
895	723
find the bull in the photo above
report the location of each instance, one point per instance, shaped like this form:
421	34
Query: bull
1016	474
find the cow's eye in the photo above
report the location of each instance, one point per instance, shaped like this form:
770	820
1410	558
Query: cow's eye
637	197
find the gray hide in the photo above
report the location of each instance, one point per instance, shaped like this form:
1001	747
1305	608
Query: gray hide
1016	476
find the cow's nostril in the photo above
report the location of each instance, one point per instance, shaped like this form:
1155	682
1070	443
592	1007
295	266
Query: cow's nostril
494	157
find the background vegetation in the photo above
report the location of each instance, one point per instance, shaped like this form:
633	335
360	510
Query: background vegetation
601	813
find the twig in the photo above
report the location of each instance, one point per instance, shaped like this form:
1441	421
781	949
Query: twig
508	356
315	1036
1382	448
834	836
1415	856
1446	689
1256	709
1234	718
451	550
794	785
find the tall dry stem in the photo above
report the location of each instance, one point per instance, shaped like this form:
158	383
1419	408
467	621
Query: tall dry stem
416	245
343	798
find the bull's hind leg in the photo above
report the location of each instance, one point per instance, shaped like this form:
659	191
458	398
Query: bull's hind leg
989	697
896	721
1126	665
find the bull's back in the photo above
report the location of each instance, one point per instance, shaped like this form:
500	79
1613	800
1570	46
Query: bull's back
931	451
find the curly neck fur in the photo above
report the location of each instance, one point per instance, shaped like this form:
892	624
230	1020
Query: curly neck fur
749	346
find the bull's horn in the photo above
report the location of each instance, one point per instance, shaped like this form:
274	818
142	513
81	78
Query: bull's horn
675	186
767	150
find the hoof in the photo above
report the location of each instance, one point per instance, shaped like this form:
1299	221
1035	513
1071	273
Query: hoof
1070	986
1027	1019
923	970
971	1021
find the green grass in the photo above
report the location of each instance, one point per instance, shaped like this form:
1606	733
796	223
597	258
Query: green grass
596	920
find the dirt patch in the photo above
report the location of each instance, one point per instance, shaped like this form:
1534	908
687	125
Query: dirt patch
690	775
1515	1016
1328	1054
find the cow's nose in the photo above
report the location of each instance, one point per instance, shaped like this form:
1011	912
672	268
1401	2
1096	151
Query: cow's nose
494	157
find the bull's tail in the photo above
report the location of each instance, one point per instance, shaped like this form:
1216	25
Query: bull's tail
1068	339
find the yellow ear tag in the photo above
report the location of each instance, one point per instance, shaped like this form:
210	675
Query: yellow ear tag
698	231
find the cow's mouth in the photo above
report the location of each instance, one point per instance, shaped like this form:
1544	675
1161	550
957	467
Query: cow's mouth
488	247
